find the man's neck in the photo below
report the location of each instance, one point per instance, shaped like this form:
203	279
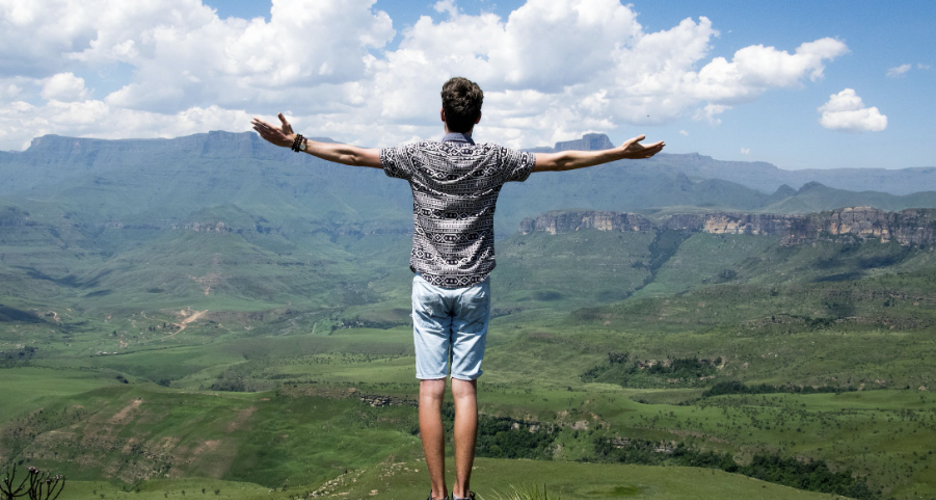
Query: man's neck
458	137
466	134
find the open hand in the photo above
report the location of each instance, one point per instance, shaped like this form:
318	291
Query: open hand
634	150
281	136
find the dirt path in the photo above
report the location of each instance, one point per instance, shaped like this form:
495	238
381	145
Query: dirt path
121	415
188	319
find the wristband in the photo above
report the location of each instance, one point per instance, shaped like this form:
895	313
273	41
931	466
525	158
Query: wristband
297	143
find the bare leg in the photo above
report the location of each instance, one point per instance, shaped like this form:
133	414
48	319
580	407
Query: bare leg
431	393
465	393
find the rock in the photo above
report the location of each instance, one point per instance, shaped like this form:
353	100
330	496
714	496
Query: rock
907	227
565	222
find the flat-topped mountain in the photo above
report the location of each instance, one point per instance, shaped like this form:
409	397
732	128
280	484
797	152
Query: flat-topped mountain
907	227
766	177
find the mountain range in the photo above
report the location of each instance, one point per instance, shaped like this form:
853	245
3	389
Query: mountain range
171	182
767	177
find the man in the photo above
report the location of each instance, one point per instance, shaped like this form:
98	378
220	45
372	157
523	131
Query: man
455	184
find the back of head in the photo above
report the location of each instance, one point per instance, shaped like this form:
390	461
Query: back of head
461	101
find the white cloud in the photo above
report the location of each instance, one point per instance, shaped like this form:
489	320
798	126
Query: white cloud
683	133
552	70
64	87
85	118
756	68
745	151
11	89
923	66
446	6
845	111
898	70
710	112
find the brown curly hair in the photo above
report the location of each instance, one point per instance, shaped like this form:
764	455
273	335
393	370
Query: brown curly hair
461	101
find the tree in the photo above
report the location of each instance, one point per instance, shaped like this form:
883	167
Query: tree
37	485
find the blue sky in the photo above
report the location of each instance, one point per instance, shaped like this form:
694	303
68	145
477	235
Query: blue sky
820	84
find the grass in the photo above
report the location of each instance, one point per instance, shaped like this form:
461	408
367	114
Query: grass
303	333
136	432
874	433
534	493
495	479
28	388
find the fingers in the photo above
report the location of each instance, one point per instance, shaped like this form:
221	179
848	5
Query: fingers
287	128
260	125
257	122
635	150
280	136
636	141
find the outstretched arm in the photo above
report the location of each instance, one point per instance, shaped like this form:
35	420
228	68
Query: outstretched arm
283	136
570	160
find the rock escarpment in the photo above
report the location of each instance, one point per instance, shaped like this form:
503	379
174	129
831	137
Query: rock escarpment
907	227
564	222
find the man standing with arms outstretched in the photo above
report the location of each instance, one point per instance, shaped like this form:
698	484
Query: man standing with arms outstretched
455	184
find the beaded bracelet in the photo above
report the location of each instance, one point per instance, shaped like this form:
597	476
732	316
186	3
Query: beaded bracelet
296	143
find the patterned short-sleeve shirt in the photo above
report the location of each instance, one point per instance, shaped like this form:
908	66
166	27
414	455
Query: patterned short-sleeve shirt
455	185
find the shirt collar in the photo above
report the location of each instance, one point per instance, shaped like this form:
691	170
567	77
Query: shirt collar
458	137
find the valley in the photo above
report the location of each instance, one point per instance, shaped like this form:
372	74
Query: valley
240	328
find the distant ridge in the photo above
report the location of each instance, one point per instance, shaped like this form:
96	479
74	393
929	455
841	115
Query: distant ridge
766	177
762	176
147	183
907	227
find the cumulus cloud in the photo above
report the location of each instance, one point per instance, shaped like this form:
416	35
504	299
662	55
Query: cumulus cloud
64	87
552	70
12	88
710	112
898	70
845	111
745	151
85	119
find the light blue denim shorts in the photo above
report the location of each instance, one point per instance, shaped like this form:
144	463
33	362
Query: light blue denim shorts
450	327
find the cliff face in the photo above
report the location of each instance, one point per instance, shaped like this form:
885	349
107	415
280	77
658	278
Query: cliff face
908	227
565	222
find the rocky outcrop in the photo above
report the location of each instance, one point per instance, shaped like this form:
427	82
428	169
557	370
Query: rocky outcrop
791	228
564	222
907	227
914	226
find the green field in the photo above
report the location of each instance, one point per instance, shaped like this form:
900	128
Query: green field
208	360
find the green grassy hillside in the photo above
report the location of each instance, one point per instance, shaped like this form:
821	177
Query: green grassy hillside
241	326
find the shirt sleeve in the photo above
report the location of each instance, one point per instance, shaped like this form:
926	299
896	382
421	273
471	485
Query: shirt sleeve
518	165
395	162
